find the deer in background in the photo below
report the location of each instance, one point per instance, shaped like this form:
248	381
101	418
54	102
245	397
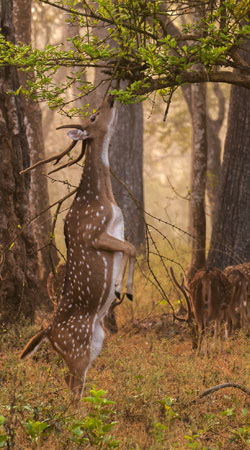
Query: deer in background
55	282
210	293
239	309
97	254
218	296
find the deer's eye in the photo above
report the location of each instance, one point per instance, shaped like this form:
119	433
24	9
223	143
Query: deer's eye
92	118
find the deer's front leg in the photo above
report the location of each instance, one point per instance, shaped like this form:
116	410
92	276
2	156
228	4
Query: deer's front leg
112	244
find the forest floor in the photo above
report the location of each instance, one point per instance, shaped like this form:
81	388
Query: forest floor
151	373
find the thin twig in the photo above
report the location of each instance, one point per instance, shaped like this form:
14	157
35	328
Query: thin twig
182	289
145	212
94	15
11	243
169	103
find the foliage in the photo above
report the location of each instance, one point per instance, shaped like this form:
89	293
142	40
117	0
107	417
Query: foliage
3	436
144	45
93	430
150	372
153	390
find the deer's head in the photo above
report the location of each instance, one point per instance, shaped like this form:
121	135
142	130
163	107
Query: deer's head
98	124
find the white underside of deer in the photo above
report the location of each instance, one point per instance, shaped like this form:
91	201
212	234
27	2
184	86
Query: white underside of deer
97	256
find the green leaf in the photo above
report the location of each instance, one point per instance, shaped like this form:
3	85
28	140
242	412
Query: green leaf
3	440
244	412
2	420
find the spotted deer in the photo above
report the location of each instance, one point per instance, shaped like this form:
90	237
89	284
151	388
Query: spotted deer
97	254
55	283
210	293
239	308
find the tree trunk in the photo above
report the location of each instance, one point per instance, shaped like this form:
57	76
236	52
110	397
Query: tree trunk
213	176
126	159
199	171
38	194
18	271
230	241
214	153
198	185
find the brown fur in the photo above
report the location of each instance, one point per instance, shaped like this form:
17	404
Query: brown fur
239	310
210	293
97	254
55	283
55	286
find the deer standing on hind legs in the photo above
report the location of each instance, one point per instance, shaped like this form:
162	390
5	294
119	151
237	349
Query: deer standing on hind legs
97	254
55	282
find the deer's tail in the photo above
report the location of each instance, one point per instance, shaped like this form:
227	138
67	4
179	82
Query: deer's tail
33	344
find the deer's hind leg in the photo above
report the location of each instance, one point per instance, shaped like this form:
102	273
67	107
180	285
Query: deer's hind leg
77	375
97	338
80	360
78	366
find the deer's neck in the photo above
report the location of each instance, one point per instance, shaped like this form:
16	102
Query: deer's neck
96	183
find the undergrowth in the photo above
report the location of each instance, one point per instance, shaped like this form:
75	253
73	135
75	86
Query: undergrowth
142	392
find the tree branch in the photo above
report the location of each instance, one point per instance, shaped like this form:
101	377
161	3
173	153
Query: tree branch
237	79
93	15
217	388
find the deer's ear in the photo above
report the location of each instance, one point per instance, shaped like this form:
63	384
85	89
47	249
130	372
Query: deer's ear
78	135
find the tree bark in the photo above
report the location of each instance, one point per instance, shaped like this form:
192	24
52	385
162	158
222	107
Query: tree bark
198	185
18	271
214	153
230	241
199	171
213	176
38	193
126	157
213	139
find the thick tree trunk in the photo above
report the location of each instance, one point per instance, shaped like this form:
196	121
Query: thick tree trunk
126	159
214	153
213	176
230	242
198	188
18	271
38	194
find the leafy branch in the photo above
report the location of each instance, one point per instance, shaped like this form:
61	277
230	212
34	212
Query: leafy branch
140	46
